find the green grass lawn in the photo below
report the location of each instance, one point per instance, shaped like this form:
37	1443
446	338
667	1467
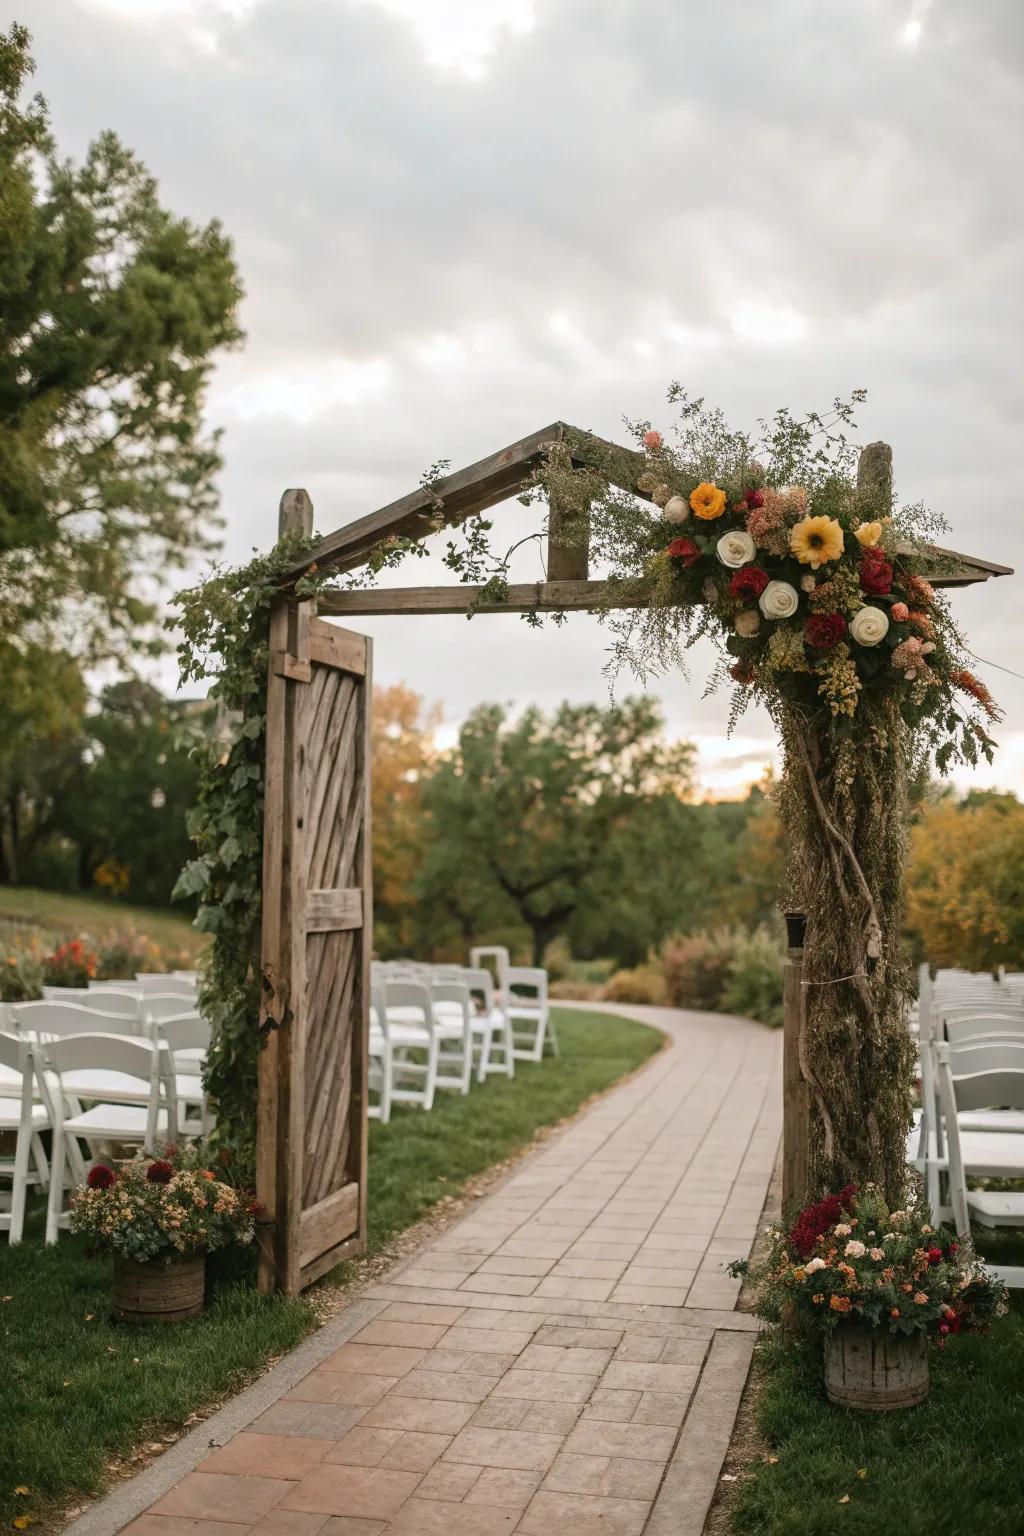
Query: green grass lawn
952	1467
60	914
78	1389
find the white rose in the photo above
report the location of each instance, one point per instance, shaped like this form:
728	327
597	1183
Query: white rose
779	600
869	626
814	1265
736	549
748	623
676	509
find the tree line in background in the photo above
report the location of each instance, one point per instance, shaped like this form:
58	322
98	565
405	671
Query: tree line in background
575	838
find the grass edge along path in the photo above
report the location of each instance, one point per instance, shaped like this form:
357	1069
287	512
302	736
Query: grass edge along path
80	1392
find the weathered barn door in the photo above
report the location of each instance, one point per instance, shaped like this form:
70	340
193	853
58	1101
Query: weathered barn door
316	942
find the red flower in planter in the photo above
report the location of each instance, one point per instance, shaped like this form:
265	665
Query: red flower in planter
100	1177
684	550
160	1172
934	1255
748	583
815	1220
825	630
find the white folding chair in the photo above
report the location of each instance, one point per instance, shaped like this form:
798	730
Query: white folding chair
186	1036
128	1080
407	1022
162	981
974	1076
453	1030
525	1001
492	1029
56	1019
20	1114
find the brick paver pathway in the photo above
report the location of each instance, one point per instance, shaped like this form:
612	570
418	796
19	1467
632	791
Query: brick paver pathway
532	1370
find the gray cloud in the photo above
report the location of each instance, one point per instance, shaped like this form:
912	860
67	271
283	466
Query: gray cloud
629	194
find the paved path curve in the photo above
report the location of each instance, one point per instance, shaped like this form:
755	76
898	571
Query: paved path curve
567	1356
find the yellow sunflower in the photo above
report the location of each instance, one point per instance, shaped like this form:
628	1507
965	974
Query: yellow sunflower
816	540
707	501
868	534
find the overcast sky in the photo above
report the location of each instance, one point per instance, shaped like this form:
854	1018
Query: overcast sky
458	220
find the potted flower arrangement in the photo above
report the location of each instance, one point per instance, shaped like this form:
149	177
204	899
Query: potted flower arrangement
875	1286
160	1217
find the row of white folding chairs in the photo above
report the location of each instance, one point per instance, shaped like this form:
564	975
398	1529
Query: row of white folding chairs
521	993
130	1085
451	1023
968	1126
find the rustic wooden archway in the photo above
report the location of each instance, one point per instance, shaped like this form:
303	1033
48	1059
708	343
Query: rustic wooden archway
317	883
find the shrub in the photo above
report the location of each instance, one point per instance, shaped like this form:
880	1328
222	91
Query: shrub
696	968
753	985
21	978
642	984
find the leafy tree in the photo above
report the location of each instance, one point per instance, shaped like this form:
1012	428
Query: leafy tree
42	734
965	883
110	311
403	756
138	783
523	812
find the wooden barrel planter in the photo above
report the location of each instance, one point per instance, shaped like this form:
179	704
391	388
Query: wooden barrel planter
871	1369
158	1293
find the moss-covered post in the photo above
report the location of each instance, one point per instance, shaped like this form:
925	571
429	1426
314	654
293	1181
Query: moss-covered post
795	1110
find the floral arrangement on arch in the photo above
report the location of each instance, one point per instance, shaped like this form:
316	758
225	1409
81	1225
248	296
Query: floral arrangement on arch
848	1259
816	584
821	602
163	1208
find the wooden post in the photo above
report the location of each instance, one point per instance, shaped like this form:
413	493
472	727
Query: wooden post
568	527
274	961
795	1110
874	478
295	513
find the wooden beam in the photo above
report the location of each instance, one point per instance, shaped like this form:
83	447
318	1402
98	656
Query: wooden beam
795	1102
458	496
331	910
529	597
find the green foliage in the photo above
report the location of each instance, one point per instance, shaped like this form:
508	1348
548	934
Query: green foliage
225	627
110	312
523	812
965	902
753	985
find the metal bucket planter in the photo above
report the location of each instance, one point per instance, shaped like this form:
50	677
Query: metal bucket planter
158	1293
869	1368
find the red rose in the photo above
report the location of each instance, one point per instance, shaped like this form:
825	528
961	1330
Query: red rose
754	498
160	1172
684	550
825	630
875	576
748	583
934	1255
100	1177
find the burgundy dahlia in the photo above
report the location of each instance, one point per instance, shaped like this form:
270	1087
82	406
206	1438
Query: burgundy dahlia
825	630
160	1172
876	577
100	1177
748	583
